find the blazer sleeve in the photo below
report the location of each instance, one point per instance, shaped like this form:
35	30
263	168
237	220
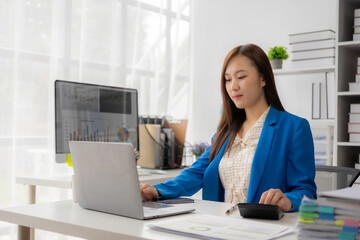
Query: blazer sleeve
301	166
188	182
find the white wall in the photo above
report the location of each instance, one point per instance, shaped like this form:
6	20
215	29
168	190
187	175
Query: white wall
220	25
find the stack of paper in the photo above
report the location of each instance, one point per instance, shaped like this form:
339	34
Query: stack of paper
354	122
356	35
325	219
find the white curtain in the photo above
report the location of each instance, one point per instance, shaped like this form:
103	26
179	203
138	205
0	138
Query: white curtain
142	44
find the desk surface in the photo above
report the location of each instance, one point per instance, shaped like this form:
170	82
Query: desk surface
64	181
68	218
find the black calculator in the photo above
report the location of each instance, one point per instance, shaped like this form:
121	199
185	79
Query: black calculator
262	211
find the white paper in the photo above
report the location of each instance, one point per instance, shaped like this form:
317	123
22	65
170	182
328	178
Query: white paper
215	227
345	193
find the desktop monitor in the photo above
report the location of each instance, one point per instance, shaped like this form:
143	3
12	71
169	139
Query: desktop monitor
89	112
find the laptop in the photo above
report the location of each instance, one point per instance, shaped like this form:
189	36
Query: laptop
106	180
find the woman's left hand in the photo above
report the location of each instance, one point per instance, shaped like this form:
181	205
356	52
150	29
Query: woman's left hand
276	197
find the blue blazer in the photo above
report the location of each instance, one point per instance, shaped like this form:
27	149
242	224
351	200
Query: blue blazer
284	159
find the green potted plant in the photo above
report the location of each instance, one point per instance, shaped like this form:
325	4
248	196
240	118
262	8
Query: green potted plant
277	55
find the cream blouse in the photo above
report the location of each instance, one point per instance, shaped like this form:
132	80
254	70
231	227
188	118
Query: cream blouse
235	166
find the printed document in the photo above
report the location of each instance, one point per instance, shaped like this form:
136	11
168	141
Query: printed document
215	227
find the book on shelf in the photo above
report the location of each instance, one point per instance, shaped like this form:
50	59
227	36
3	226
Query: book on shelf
357	77
318	62
358	69
354	86
330	93
320	53
357	21
355	108
313	45
356	36
353	127
358	61
354	137
354	117
315	113
323	98
356	29
357	12
323	101
311	36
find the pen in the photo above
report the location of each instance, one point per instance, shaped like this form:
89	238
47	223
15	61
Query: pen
231	209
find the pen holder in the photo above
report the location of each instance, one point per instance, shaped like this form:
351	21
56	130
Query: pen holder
73	187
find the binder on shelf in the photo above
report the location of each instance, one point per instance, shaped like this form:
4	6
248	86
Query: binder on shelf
323	101
315	113
330	93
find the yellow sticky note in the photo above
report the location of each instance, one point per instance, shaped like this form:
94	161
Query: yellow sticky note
68	160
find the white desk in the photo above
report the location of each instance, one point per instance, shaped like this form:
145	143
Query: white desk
66	217
64	181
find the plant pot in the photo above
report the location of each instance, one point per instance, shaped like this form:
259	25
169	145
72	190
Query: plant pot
276	63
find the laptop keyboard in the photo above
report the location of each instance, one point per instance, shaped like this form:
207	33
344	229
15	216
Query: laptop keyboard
150	204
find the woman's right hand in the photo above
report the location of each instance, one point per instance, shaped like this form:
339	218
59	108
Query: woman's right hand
148	192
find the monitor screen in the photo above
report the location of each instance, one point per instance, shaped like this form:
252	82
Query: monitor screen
88	112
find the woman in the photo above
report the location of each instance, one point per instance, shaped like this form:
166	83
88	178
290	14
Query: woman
260	153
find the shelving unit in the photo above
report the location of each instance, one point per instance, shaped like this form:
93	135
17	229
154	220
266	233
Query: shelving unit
323	129
346	153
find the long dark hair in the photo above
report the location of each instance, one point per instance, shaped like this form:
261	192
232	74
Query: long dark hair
232	117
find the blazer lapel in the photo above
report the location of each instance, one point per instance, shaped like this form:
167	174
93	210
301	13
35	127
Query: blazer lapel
262	153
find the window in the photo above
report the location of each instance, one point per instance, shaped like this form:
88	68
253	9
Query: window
139	44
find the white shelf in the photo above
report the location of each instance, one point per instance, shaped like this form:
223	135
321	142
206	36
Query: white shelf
350	144
349	44
347	93
303	70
